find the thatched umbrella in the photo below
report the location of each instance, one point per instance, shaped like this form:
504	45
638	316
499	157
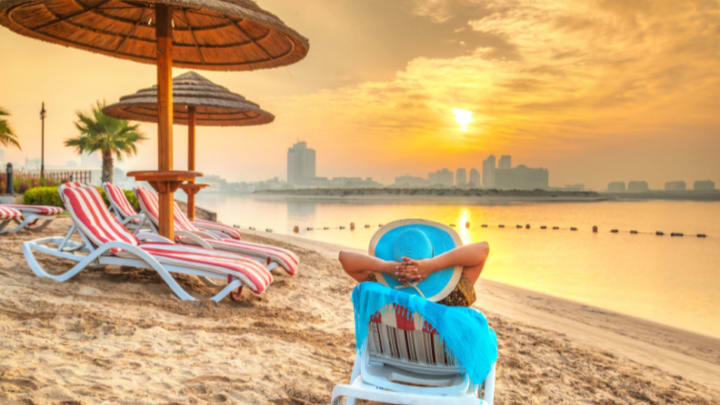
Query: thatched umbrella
203	34
196	101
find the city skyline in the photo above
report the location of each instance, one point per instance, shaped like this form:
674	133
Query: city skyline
395	104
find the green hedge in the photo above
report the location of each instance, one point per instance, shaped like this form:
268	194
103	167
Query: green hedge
50	196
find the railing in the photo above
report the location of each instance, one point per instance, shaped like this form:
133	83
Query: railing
24	180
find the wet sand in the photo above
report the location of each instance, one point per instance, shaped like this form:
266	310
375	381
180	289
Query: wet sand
119	335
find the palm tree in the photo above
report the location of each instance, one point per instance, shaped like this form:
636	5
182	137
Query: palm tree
7	136
107	135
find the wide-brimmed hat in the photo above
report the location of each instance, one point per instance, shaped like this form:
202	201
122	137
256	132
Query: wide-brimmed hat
417	239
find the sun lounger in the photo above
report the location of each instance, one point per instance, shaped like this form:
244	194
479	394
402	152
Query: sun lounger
107	242
33	217
123	210
405	361
186	232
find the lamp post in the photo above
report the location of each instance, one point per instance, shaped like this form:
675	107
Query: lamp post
42	141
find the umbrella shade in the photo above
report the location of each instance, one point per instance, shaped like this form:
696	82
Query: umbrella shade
207	34
214	104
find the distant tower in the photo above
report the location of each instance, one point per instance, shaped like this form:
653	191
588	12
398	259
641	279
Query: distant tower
460	177
505	162
474	178
300	164
488	174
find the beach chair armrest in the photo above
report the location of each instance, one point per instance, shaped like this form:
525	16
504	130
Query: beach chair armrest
194	237
152	237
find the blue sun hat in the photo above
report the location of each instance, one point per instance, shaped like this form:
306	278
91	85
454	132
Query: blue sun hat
417	239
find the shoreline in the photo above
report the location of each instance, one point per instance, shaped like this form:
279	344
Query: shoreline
677	348
117	334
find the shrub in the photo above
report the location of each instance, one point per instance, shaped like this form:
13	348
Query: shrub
50	196
42	196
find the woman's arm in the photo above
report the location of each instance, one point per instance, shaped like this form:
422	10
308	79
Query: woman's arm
360	266
471	257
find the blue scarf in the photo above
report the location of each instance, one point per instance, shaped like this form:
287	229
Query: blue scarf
464	330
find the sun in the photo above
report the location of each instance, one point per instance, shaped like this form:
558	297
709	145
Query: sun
463	118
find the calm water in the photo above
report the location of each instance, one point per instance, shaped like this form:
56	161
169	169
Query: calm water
675	281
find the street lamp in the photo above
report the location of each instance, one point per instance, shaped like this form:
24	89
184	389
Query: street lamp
42	142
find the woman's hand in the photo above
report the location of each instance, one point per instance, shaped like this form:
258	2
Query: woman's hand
414	270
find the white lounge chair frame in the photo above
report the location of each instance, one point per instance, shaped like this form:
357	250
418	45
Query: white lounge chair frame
127	220
28	219
398	380
65	248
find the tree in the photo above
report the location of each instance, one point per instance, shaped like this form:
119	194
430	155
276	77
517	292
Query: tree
107	135
7	136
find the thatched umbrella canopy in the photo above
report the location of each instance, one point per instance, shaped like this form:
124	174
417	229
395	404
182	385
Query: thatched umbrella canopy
204	34
196	101
214	105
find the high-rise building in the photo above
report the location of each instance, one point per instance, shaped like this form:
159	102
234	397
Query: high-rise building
616	187
704	185
488	172
442	177
460	177
505	162
2	158
474	180
638	186
675	186
521	178
300	164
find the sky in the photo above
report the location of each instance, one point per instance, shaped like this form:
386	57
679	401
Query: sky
594	90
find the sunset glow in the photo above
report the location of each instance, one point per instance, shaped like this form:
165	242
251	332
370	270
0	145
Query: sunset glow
463	118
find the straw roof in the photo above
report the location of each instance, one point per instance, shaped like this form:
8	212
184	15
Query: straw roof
207	34
214	105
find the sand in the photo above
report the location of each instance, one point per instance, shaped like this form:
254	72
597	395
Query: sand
115	335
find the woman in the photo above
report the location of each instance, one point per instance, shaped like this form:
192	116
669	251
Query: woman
471	258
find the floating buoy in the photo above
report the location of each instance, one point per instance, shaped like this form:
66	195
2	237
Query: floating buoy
296	229
252	228
595	228
342	227
518	226
309	228
527	226
572	228
236	226
352	226
634	232
452	225
613	231
268	230
659	233
676	234
380	225
467	225
701	235
367	225
325	228
501	226
484	225
555	228
543	227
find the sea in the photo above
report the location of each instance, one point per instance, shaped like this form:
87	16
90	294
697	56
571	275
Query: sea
674	280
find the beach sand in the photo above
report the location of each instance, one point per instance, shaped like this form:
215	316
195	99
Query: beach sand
120	336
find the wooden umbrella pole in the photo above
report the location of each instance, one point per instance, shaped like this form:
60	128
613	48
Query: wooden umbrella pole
191	161
163	33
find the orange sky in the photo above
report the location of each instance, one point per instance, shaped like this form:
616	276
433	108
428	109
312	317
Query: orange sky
595	91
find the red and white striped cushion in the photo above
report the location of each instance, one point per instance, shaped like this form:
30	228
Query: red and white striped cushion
37	209
285	258
7	212
119	200
90	213
250	272
217	226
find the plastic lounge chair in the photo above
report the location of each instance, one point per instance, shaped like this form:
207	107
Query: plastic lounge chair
186	232
406	362
124	211
33	217
8	215
107	242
